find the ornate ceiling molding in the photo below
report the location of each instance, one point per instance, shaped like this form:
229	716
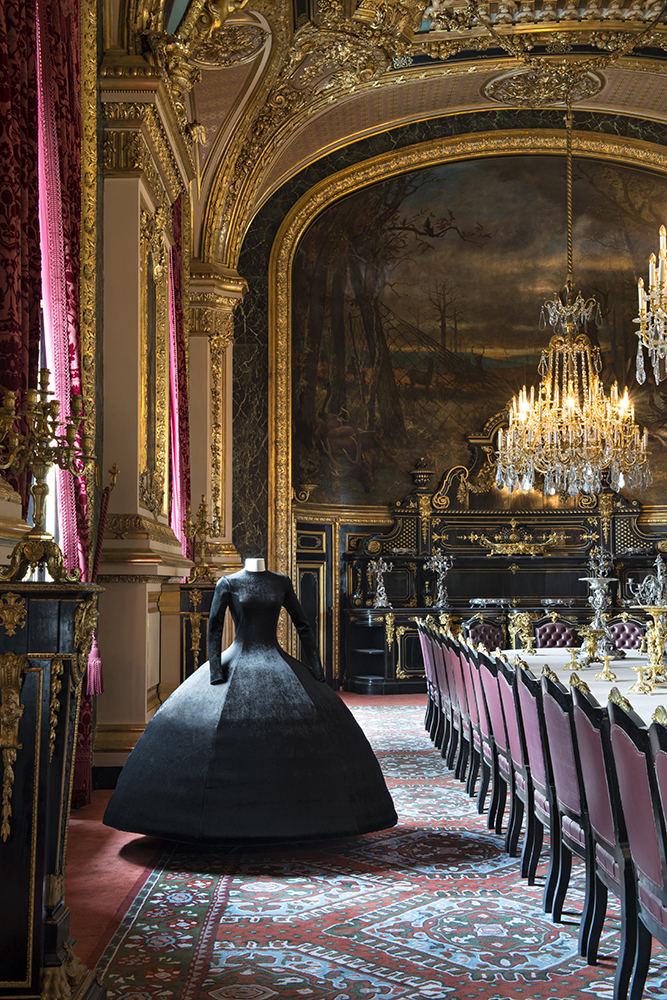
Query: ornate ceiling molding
334	55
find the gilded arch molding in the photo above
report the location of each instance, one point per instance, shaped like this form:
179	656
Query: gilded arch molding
618	149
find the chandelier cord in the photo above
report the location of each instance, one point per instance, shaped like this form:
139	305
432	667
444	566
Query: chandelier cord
568	147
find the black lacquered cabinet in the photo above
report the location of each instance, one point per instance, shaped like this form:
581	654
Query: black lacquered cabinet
45	637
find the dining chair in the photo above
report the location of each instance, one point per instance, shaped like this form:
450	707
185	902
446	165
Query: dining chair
641	761
475	733
488	765
529	689
432	690
554	632
503	784
458	760
612	867
444	732
523	788
570	803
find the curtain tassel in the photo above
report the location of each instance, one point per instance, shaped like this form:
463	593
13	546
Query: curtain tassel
94	679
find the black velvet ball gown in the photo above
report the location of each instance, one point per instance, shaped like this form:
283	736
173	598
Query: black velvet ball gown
252	746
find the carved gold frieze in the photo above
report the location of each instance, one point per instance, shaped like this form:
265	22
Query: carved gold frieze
233	44
89	271
606	505
54	890
154	382
140	143
194	617
129	578
57	668
12	671
12	612
214	296
511	543
339	51
135	526
424	516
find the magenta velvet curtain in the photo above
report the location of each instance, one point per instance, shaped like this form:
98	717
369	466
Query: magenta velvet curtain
60	222
60	128
19	199
179	413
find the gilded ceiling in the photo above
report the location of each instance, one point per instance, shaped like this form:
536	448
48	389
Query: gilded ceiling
262	88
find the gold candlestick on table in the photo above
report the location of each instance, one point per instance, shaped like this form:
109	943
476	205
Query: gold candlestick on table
36	439
606	674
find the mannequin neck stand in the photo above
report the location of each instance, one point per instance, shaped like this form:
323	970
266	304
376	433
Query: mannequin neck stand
255	565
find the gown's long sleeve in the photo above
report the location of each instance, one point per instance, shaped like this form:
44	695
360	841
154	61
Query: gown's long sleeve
216	621
309	650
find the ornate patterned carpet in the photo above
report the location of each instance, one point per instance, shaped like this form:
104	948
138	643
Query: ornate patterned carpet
432	909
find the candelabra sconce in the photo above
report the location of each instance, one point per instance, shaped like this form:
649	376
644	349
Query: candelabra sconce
440	564
200	530
378	568
35	439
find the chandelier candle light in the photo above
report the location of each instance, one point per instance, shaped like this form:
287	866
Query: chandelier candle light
569	430
652	319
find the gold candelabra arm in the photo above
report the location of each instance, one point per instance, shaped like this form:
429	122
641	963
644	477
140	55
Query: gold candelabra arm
36	438
200	530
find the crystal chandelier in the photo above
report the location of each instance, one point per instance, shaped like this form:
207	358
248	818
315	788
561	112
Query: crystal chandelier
652	319
568	430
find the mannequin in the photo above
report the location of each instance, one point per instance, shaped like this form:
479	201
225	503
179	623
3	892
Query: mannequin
255	565
254	745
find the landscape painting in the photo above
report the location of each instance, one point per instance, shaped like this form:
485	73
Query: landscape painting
416	307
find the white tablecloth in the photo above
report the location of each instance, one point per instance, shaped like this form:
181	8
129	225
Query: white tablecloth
643	704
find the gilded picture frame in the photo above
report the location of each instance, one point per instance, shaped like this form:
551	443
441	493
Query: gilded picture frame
619	150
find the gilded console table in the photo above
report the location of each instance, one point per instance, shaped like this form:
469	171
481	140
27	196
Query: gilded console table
45	637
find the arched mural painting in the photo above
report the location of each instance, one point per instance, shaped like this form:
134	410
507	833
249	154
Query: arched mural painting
416	306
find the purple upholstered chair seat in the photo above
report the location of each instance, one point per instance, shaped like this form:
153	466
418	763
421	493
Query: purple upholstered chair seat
627	635
555	635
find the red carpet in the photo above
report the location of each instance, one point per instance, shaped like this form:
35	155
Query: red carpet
432	908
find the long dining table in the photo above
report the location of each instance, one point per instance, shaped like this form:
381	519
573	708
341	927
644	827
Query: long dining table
559	661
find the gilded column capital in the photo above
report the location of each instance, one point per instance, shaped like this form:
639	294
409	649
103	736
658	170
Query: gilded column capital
215	292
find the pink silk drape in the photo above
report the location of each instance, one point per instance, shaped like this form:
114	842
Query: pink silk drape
19	200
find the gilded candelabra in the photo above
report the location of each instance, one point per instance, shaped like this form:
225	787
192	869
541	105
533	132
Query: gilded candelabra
378	568
200	530
653	643
35	439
